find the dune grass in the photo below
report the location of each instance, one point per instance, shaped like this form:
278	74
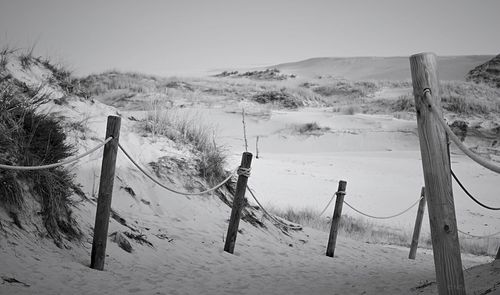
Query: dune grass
29	138
367	231
186	127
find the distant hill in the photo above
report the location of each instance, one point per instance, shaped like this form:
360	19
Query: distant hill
488	73
379	68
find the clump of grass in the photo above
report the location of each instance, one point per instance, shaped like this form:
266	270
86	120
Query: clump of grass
63	77
185	127
99	84
404	103
468	98
350	110
28	138
352	89
4	57
281	98
310	128
26	58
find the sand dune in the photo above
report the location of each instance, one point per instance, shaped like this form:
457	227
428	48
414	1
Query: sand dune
379	68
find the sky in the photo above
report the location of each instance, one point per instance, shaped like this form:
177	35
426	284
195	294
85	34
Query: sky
166	37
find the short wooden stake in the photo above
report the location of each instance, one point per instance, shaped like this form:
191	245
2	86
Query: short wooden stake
437	176
498	254
105	193
257	148
337	213
418	225
238	203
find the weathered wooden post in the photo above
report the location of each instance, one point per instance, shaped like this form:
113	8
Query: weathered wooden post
238	203
437	175
498	254
337	213
105	193
418	225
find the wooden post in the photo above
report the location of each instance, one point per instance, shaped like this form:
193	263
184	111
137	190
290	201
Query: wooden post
238	203
257	148
337	213
498	254
437	175
418	225
105	192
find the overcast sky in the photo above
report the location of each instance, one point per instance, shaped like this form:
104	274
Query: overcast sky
164	37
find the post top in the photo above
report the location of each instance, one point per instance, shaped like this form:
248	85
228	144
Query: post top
421	54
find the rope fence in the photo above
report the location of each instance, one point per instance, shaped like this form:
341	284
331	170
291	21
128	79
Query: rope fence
470	195
383	217
239	171
270	216
480	237
54	165
327	205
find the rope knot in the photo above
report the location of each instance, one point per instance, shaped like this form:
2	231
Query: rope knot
340	193
243	171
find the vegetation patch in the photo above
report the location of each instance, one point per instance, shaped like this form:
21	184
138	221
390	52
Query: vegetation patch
467	98
267	74
187	128
352	89
311	129
30	139
281	98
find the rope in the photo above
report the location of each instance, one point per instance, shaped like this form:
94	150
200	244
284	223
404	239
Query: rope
277	221
171	189
474	236
469	194
329	202
481	161
327	205
57	164
243	171
383	217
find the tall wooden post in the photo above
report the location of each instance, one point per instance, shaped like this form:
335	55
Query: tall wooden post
418	225
105	193
437	175
337	213
238	203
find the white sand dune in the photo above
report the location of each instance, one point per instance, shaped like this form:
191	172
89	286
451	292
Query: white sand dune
379	68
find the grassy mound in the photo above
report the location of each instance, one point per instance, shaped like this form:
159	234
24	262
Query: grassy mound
28	139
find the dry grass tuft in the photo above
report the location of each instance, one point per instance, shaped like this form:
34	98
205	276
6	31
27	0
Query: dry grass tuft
187	127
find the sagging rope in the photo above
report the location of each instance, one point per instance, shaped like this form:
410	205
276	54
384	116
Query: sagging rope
277	221
481	237
74	159
383	217
327	205
470	195
481	161
176	191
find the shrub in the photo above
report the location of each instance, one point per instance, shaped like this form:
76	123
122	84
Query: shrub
350	110
404	103
28	138
353	89
281	98
309	128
